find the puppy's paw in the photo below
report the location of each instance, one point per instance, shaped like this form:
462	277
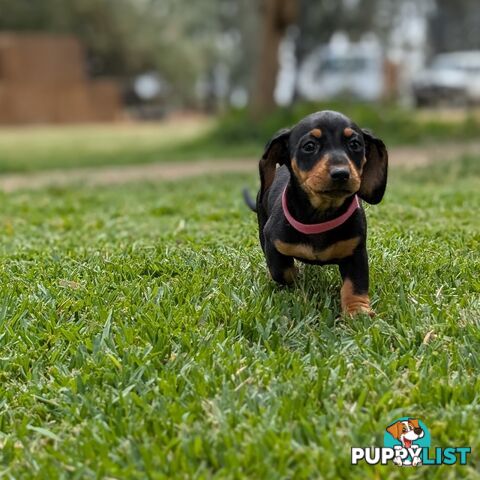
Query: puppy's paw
285	277
290	274
358	309
398	461
354	303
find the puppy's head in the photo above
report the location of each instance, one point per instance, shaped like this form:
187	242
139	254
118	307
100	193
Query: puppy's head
330	158
406	431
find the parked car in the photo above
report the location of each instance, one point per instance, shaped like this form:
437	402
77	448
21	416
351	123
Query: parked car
355	70
451	79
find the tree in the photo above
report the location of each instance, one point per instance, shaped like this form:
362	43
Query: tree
277	16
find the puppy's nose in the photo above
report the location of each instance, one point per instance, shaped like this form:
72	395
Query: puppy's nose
340	173
417	431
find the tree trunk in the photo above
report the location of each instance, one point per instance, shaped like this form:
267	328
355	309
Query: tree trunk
277	15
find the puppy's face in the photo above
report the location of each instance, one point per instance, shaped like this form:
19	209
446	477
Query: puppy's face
330	158
406	431
327	153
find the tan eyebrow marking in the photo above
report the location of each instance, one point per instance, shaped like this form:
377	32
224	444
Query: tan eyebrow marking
348	132
316	132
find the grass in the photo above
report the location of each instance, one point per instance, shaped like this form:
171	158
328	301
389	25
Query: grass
140	336
232	135
25	149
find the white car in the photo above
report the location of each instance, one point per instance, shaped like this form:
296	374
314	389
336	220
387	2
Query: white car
356	71
453	78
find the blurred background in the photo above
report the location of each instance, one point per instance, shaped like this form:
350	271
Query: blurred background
104	82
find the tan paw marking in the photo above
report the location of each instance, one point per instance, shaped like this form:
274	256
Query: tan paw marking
290	274
352	303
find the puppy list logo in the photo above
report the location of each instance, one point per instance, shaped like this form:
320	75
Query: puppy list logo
407	443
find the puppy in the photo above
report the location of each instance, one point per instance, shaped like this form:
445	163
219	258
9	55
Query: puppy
406	432
308	208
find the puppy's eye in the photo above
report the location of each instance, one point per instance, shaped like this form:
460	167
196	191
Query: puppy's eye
355	145
309	147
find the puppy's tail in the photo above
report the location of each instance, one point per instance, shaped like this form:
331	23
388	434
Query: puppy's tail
249	200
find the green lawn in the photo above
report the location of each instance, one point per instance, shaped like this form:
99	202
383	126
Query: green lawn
44	147
232	135
140	336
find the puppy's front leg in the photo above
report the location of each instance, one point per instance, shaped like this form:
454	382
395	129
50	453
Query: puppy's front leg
282	268
354	292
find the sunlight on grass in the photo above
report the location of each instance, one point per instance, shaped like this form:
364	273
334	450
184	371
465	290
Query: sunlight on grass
142	337
32	148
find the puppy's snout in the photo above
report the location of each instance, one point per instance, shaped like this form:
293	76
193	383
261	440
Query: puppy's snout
340	173
418	431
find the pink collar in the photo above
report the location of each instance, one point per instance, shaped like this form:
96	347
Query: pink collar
312	228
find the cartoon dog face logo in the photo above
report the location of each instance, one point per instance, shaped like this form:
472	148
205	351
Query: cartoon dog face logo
406	432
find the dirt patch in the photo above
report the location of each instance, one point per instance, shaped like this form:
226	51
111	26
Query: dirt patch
419	156
114	175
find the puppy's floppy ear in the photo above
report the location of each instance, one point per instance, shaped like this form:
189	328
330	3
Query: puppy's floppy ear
276	151
395	430
414	422
374	175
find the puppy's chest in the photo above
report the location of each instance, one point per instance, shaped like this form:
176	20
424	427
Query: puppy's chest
317	251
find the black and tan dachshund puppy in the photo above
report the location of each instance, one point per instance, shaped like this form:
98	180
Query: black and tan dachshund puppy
308	208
